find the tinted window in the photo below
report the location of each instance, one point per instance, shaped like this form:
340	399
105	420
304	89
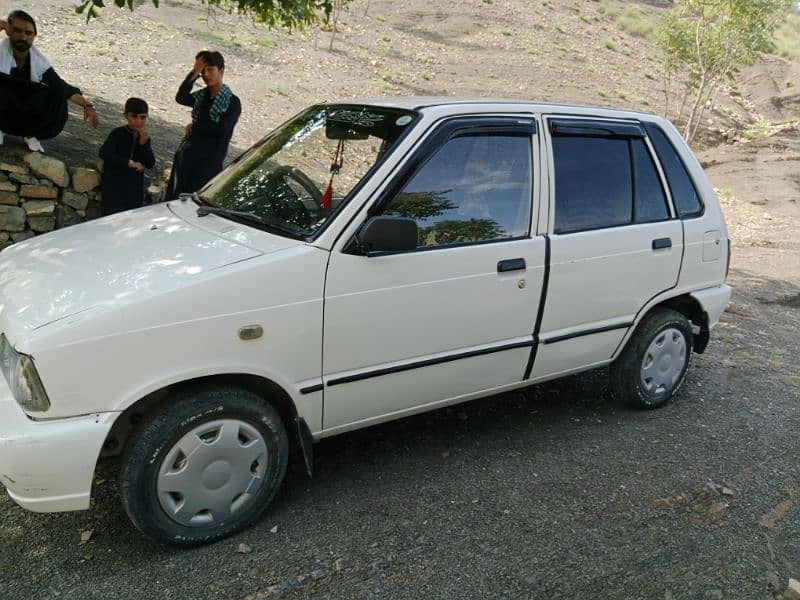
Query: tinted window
651	201
593	183
684	195
474	188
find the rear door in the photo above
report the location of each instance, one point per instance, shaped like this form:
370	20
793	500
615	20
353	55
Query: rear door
614	243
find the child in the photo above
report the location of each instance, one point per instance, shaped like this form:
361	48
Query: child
126	153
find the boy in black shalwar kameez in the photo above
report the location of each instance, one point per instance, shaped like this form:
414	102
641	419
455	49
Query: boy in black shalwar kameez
126	153
215	111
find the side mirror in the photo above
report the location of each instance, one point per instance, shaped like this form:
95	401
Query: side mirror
388	234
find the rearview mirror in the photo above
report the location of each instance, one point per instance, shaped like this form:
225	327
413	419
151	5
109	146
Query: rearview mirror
388	234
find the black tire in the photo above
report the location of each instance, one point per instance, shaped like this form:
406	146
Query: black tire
628	380
238	416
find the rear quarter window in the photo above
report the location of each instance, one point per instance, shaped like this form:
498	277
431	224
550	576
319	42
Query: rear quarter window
684	193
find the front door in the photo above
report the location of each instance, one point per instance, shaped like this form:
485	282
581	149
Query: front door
454	317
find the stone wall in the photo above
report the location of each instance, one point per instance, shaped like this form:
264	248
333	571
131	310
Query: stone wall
38	193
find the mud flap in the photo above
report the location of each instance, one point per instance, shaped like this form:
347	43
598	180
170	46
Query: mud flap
306	444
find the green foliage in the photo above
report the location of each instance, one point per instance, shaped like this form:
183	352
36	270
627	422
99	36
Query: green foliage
453	232
420	205
787	38
289	14
631	19
704	42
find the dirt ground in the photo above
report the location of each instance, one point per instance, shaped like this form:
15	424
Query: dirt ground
555	492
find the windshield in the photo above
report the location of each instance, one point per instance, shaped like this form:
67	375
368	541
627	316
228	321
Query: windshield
294	179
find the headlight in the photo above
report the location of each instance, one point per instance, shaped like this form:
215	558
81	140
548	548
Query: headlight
22	378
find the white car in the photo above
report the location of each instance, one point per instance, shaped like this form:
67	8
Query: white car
363	262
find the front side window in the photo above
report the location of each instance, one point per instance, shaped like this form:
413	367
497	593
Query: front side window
475	188
605	182
293	180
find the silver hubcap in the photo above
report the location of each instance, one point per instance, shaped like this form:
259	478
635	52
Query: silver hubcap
664	361
212	472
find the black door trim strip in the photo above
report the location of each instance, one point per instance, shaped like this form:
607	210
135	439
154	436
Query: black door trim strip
428	362
312	388
540	313
570	336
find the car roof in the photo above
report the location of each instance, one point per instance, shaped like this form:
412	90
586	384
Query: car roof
421	103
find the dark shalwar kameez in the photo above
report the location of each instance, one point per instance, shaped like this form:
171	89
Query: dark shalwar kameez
31	109
123	187
200	156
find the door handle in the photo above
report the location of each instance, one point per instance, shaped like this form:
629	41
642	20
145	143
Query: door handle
661	243
511	264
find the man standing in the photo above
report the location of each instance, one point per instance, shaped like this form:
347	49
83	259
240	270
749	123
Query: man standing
215	111
33	98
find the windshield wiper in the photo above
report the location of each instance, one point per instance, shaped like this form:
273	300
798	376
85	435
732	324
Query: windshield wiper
279	226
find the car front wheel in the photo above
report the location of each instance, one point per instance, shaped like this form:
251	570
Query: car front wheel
653	365
204	466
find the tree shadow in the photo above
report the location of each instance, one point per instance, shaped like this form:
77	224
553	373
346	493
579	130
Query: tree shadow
78	145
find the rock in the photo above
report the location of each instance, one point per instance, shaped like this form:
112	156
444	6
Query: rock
96	164
93	210
338	565
39	207
8	186
22	236
661	503
12	218
24	178
9	198
38	191
84	180
49	167
12	168
154	194
792	591
715	595
303	579
244	549
717	509
42	224
4	237
318	574
65	216
75	200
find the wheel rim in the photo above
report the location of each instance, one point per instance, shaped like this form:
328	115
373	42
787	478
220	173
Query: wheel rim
664	361
212	473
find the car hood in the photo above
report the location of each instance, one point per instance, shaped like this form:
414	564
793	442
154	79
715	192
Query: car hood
108	262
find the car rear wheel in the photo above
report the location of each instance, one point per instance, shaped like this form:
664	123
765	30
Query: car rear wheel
653	365
204	466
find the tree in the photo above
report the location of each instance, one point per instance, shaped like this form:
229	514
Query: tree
706	41
454	232
289	14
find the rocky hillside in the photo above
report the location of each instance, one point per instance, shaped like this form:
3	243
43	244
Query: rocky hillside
592	52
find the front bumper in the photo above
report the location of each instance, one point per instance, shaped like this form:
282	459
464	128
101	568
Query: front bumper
48	466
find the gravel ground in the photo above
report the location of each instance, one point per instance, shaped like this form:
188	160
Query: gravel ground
555	492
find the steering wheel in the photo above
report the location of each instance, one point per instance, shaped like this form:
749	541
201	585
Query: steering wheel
304	180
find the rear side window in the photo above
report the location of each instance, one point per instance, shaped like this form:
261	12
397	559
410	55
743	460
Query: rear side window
684	194
593	183
605	182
